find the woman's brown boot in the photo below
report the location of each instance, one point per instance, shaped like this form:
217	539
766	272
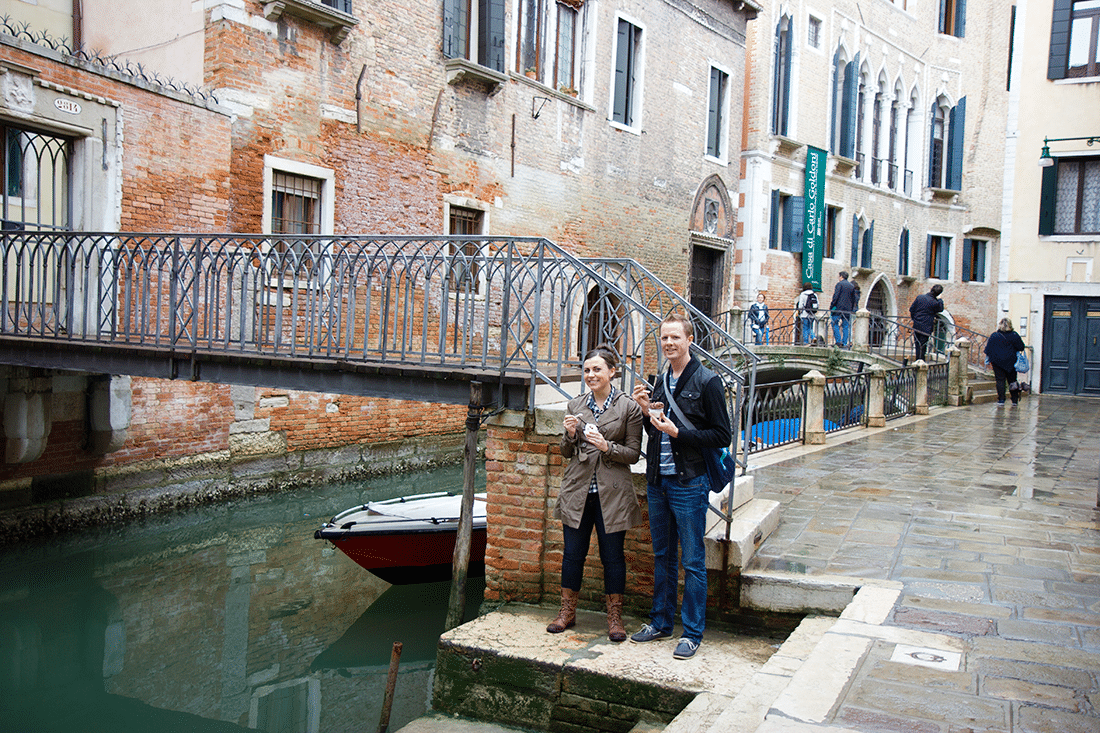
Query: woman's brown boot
615	630
567	616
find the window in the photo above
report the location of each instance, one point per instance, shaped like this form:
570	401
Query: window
1074	46
863	239
546	43
786	222
298	199
36	180
973	261
474	30
1070	200
903	252
843	122
813	36
716	118
937	260
861	167
464	269
892	142
953	17
781	82
945	153
876	136
625	101
832	215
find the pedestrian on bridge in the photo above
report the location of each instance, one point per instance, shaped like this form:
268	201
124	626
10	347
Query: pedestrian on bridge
844	304
603	437
923	311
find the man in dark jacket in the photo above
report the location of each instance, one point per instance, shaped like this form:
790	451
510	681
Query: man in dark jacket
923	311
678	485
844	304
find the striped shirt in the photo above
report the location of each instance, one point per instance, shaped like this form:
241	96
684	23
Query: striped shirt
596	412
668	462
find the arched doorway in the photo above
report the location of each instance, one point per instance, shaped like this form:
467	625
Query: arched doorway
603	321
877	301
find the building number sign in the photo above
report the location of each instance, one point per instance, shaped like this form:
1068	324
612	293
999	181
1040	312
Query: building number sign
67	105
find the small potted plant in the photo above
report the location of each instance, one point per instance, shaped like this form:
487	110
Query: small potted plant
567	90
531	72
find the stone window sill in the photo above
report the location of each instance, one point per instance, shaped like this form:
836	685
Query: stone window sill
338	23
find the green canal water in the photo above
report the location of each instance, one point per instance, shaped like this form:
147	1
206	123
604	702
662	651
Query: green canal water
223	618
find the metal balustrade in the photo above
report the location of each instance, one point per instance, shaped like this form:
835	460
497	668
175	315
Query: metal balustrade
778	416
845	402
900	392
938	383
521	307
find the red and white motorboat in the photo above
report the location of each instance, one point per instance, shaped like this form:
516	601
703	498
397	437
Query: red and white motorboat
410	539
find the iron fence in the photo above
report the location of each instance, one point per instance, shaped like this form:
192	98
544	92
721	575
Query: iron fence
900	392
777	417
845	402
937	384
504	305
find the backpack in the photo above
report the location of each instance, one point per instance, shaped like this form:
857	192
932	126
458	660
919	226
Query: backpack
809	304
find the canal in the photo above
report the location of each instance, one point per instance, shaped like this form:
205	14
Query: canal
219	618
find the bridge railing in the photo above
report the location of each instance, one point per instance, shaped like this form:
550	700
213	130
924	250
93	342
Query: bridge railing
518	306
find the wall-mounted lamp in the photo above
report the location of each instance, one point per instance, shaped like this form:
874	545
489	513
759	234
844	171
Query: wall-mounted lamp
537	103
1046	159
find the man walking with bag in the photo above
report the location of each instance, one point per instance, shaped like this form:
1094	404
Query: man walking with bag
688	419
844	304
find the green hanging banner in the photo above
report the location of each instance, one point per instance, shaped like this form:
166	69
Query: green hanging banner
813	237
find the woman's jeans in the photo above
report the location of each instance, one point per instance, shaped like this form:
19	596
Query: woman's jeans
1003	376
677	519
760	334
807	330
576	550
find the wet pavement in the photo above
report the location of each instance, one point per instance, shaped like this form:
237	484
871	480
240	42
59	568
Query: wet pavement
985	517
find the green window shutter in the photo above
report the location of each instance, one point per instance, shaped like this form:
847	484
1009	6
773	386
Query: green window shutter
834	126
714	118
943	14
1059	39
868	246
956	136
851	90
960	18
929	265
932	182
903	253
854	259
943	260
968	248
773	233
793	214
979	262
624	73
1047	197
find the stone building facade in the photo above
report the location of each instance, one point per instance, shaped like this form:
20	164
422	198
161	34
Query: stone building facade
1049	284
907	98
610	128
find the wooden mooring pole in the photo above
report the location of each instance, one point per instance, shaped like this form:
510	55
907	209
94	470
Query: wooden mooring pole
461	564
391	685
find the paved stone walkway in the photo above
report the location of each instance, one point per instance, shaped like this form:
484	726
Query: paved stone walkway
987	517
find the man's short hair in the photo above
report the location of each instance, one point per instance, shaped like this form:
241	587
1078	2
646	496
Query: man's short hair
937	289
684	321
843	274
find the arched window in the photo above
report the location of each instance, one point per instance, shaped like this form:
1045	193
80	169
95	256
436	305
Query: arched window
781	86
861	106
845	83
892	152
945	153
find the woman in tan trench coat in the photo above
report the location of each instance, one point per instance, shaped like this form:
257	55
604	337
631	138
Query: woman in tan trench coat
603	436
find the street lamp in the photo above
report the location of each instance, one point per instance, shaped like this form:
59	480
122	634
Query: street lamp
1046	159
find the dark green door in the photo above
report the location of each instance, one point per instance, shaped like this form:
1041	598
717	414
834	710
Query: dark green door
1071	352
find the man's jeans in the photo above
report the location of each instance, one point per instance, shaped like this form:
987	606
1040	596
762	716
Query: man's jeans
807	330
677	518
842	329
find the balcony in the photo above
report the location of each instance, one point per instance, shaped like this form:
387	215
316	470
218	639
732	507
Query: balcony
333	15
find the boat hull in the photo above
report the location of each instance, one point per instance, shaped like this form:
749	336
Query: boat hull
403	558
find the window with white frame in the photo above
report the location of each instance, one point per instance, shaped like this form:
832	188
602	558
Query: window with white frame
952	21
813	32
845	87
474	30
781	79
626	86
298	200
973	262
717	103
946	138
937	257
548	41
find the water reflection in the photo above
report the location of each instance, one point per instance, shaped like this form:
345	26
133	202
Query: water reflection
219	619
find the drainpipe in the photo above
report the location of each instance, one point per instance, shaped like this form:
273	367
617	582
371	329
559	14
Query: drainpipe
358	98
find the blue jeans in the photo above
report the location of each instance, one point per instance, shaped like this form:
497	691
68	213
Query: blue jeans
677	521
760	334
575	550
842	328
807	330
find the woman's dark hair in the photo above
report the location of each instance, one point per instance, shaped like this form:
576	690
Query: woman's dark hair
605	352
